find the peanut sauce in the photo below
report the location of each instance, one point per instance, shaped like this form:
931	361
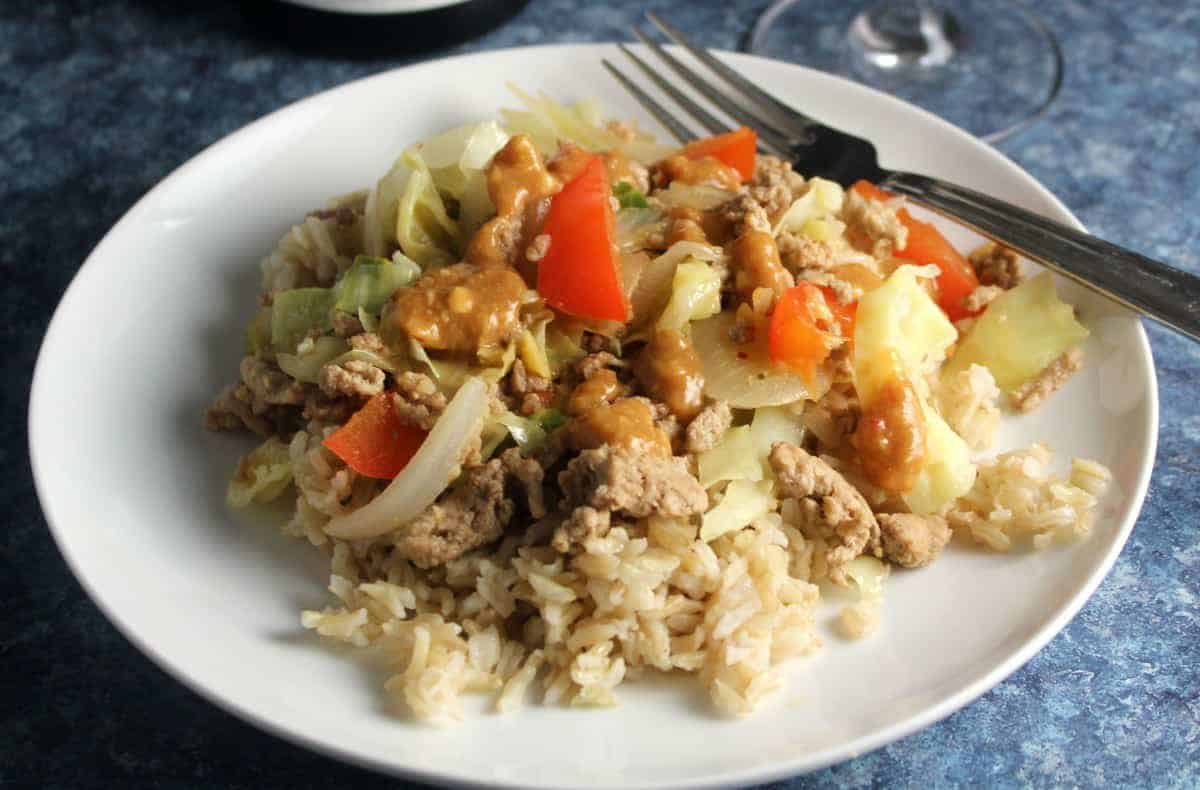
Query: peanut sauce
627	423
705	170
458	308
757	265
599	390
890	437
669	370
520	186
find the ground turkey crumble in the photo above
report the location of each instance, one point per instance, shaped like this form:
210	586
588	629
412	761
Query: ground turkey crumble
1032	393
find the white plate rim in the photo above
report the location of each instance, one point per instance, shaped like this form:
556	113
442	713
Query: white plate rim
375	7
740	777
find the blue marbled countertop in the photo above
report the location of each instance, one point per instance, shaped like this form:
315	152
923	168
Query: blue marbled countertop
100	100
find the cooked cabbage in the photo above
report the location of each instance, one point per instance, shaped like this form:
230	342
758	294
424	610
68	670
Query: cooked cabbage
698	196
948	472
1021	332
695	295
742	374
744	501
547	122
424	231
821	200
637	227
262	475
653	289
306	364
773	424
298	312
457	162
370	282
734	458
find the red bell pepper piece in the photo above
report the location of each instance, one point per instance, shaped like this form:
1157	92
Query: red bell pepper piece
578	274
795	337
927	245
736	149
374	442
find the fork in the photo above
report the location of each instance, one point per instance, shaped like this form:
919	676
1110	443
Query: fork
1154	289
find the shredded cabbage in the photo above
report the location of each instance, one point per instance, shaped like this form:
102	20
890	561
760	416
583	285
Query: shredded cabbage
370	282
561	350
526	432
424	231
744	501
1021	332
531	348
636	227
548	122
773	424
262	475
822	199
258	333
457	162
698	196
734	458
653	289
298	312
306	364
695	295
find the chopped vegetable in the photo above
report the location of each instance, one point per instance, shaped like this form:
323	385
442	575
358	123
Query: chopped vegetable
695	295
532	352
374	442
926	244
742	373
797	338
258	333
628	196
701	197
549	122
948	472
744	501
1021	332
370	282
821	199
430	471
578	274
638	228
457	160
424	231
306	365
736	149
773	424
262	474
298	312
734	458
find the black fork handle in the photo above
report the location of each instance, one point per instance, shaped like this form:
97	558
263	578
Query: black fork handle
1164	293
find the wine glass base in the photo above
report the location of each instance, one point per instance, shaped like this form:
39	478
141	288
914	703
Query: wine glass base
989	66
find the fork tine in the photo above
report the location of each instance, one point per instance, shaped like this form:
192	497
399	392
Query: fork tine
789	119
669	122
766	130
679	97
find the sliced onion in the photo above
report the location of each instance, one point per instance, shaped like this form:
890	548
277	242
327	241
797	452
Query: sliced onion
750	382
427	475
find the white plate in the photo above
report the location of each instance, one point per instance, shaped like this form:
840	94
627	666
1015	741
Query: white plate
372	7
133	487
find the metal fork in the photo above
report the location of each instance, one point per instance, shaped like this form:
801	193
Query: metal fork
1161	292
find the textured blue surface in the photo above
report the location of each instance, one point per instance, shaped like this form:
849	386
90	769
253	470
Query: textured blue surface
98	101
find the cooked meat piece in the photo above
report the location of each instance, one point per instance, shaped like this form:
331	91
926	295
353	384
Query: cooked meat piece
270	385
345	324
634	484
774	185
629	423
474	513
1030	395
912	541
872	226
830	504
996	265
980	298
323	408
587	367
704	432
801	252
844	291
531	393
583	523
528	474
743	214
356	379
418	400
232	410
520	185
458	308
367	341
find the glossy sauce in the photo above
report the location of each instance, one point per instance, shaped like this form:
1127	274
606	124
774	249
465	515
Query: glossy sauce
520	186
458	308
626	423
705	170
890	437
669	370
757	265
599	390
